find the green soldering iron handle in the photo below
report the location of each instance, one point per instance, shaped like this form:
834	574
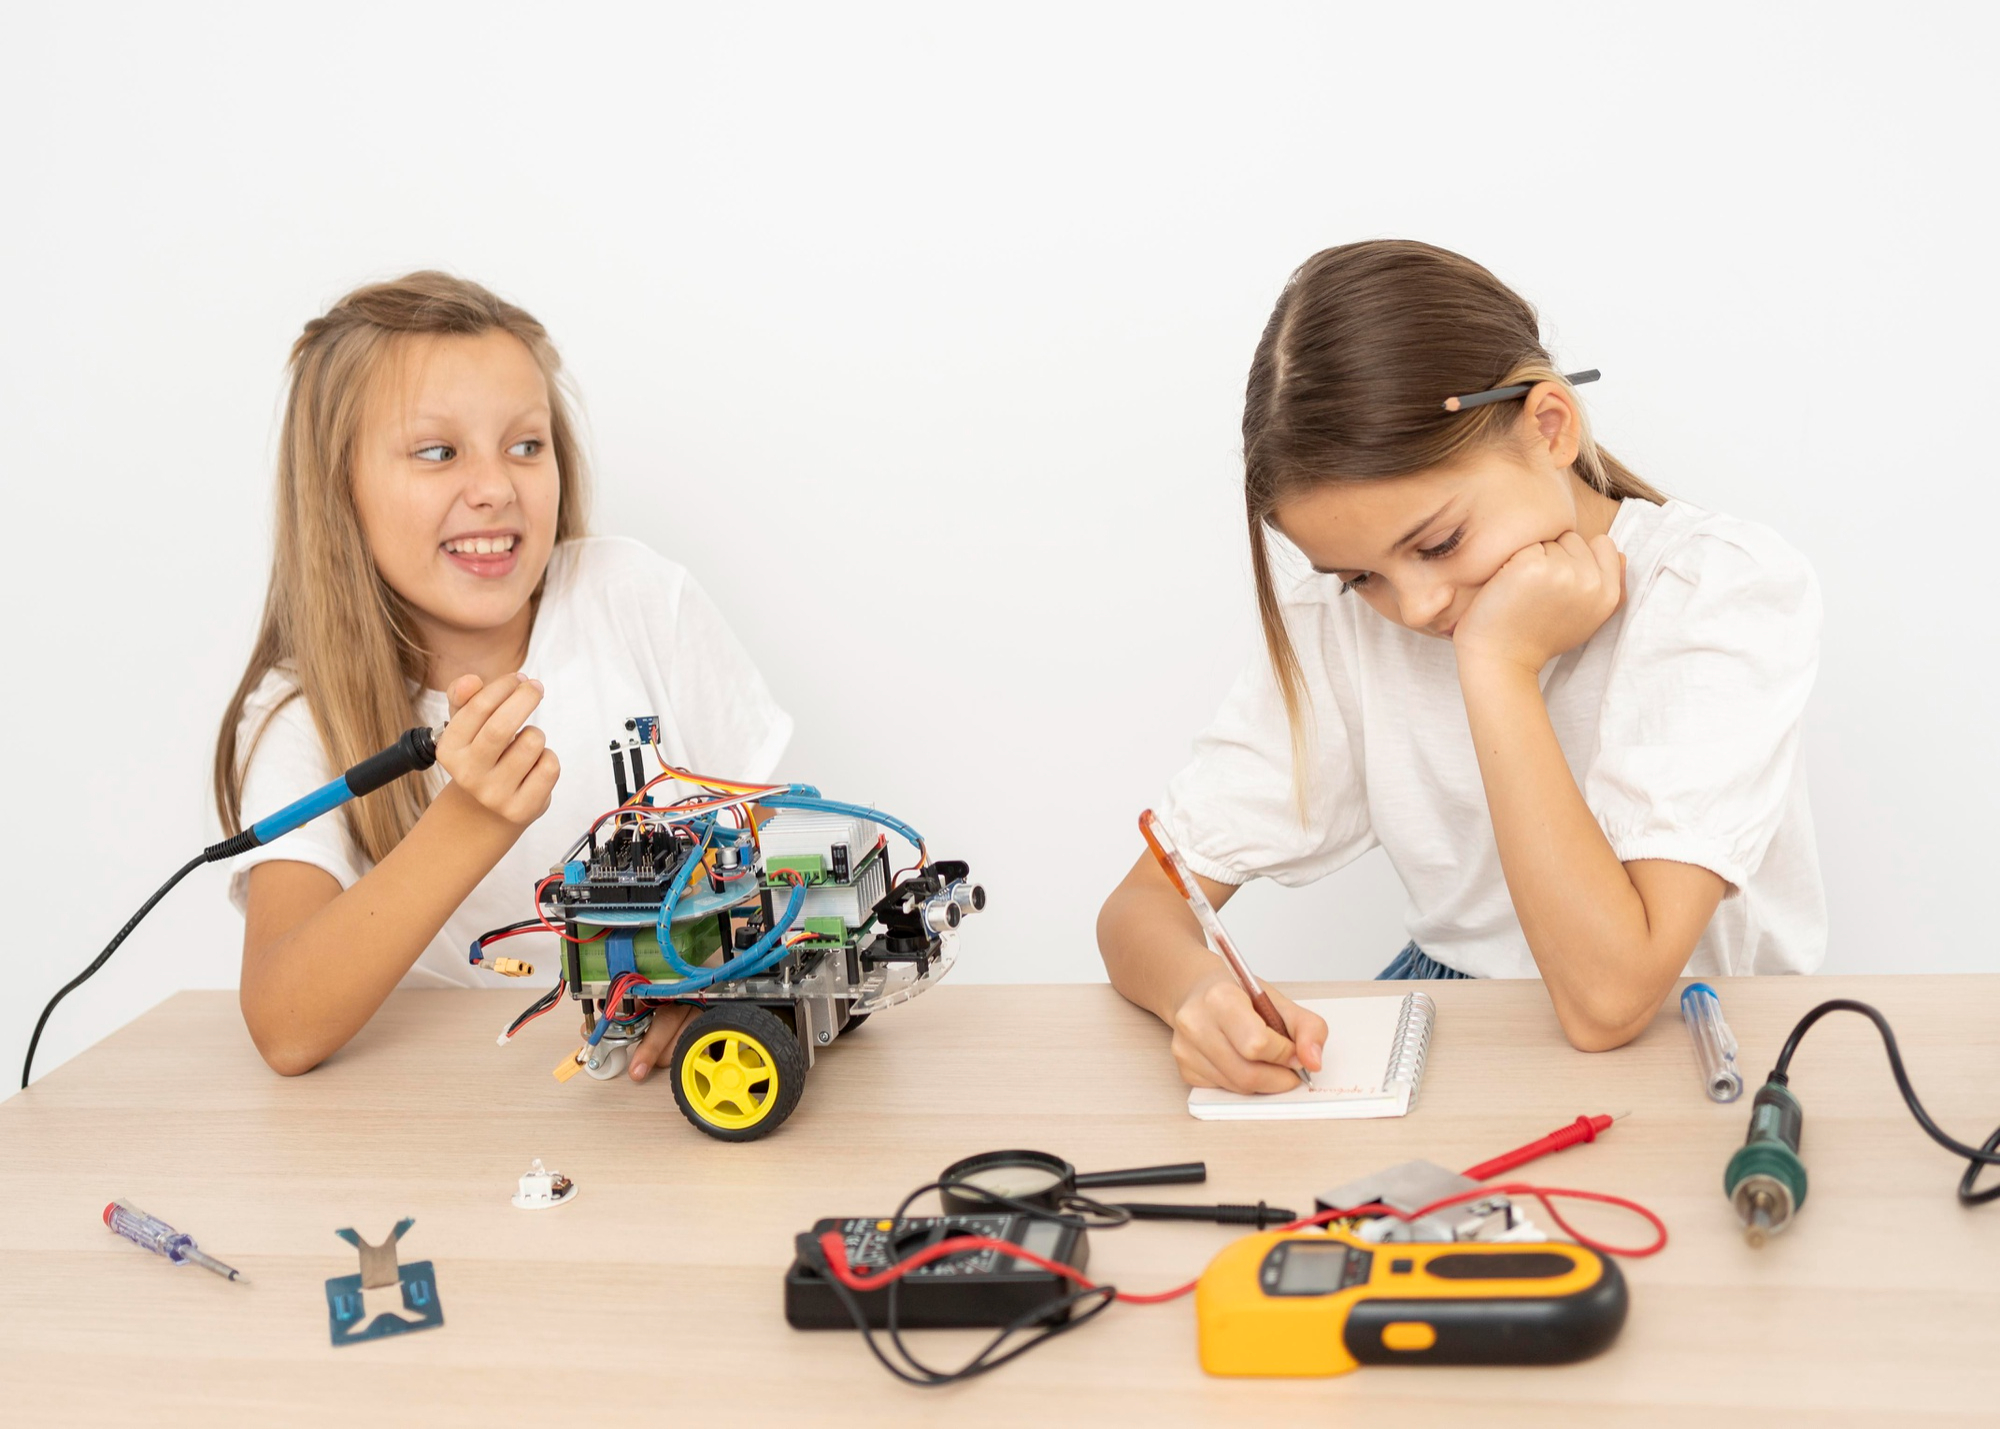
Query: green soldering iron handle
1765	1180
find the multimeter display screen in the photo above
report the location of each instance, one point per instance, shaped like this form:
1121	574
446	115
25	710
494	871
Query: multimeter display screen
1310	1269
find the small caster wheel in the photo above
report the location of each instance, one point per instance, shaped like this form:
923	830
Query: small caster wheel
611	1060
853	1022
738	1072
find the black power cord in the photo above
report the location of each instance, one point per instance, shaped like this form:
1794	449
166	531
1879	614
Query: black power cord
226	849
1981	1157
415	750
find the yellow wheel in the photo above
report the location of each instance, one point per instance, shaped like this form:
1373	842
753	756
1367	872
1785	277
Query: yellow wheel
738	1072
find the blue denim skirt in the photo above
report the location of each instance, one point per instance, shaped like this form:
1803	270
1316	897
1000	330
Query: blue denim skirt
1414	962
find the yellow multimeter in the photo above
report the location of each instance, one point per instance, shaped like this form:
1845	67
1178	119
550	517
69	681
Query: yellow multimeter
1323	1302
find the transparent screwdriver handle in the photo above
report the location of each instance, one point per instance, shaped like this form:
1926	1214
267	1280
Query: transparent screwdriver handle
161	1239
1714	1043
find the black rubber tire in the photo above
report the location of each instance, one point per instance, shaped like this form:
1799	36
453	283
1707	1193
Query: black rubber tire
854	1021
787	1059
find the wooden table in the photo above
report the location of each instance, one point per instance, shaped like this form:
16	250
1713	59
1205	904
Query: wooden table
654	1297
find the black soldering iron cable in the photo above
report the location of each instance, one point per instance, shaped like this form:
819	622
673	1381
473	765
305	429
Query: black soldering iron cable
78	981
416	750
1987	1155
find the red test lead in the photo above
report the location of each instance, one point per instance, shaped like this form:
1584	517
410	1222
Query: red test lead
1584	1128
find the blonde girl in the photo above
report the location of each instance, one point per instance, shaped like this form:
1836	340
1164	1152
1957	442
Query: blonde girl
431	562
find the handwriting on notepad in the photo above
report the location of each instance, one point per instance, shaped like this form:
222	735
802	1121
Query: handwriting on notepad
1352	1089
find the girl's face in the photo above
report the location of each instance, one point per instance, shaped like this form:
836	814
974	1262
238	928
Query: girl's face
455	481
1418	548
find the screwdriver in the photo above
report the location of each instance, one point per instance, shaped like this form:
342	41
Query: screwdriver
162	1239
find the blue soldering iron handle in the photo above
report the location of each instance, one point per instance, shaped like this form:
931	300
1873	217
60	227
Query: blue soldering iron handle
416	750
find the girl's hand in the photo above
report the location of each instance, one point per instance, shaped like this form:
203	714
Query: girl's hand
1220	1041
658	1043
1548	598
493	754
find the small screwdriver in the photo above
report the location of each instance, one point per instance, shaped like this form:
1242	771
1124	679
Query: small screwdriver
162	1239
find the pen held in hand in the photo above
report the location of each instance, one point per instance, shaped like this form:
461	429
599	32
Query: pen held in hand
1171	863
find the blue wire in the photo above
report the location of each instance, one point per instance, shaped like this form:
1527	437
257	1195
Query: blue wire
814	803
760	956
664	929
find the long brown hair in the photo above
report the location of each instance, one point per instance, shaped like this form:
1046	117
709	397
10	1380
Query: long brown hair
1349	382
344	637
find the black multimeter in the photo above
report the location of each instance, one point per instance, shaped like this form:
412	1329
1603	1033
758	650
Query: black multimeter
972	1288
1320	1303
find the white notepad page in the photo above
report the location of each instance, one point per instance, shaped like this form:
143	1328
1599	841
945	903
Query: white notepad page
1374	1064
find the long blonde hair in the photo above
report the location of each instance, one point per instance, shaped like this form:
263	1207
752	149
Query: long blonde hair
1348	384
344	637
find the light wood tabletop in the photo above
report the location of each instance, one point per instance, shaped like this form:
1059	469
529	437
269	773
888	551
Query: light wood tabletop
654	1296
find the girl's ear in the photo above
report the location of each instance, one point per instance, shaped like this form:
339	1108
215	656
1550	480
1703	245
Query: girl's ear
1556	424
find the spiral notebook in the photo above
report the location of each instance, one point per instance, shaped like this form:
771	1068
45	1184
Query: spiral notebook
1374	1065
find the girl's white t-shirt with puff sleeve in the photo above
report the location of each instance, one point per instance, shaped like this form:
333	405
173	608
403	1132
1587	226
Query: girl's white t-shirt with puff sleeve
1679	718
621	631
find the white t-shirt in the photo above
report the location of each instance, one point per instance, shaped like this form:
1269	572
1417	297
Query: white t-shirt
621	631
1679	718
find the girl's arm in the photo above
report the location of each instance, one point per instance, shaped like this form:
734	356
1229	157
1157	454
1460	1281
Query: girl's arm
1610	938
317	960
1158	960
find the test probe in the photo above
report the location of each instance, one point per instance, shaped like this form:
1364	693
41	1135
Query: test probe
415	751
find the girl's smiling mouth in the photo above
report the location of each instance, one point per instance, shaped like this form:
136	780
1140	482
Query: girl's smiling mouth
489	554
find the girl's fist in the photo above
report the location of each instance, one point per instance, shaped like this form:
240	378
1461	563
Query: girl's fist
492	753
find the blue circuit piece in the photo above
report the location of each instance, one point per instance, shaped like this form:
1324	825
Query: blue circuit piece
575	871
647	727
420	1297
416	1279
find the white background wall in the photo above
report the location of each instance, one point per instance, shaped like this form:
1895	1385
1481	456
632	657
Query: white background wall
944	313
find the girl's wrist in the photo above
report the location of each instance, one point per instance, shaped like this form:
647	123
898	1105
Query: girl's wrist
472	821
1483	670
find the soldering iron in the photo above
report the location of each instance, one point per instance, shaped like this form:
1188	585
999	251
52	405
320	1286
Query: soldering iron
1766	1179
415	751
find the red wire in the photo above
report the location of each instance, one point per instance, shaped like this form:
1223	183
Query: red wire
836	1260
601	932
1516	1188
835	1249
554	1003
510	933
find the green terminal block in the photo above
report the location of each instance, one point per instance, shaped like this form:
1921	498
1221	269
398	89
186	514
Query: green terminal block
810	866
1765	1180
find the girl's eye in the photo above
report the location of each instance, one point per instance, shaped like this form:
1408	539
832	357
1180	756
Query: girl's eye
1351	583
1444	547
533	445
436	451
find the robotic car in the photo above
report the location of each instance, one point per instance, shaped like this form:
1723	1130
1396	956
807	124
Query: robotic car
770	908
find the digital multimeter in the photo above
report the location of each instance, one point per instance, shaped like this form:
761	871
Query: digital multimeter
976	1287
1319	1303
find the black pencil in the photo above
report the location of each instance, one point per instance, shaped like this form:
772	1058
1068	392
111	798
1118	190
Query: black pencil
1519	389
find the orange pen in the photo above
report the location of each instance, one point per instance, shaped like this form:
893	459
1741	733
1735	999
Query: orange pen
1171	863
